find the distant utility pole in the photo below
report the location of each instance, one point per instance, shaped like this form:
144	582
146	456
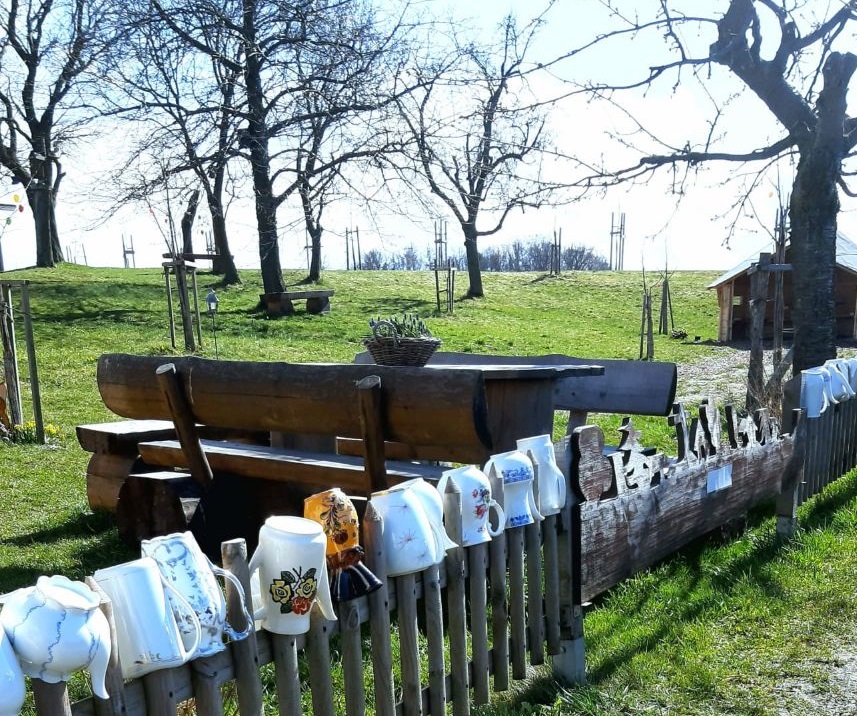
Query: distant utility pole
556	253
617	241
353	257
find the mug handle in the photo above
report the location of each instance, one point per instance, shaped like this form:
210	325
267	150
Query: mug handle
227	627
253	566
562	492
533	508
183	604
501	518
323	594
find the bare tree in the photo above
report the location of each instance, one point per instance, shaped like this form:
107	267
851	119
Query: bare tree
578	257
480	137
46	49
181	104
802	81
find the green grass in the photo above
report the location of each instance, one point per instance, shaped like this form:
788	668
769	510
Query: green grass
710	631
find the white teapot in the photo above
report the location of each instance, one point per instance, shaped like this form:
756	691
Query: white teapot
409	541
432	503
57	627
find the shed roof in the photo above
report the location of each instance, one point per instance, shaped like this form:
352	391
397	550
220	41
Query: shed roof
846	258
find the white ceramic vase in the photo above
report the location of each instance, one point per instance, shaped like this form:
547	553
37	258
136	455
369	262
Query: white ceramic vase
147	628
56	628
815	391
12	685
515	470
409	542
292	570
184	565
551	482
476	504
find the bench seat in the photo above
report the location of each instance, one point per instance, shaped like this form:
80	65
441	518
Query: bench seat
291	466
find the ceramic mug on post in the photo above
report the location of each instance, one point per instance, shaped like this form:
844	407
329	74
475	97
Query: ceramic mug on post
516	472
840	384
551	481
184	565
147	629
432	504
12	684
292	570
476	504
409	542
815	393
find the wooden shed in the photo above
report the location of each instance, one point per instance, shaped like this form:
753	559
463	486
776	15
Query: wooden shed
733	296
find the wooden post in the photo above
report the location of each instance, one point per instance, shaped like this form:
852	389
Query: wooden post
369	398
51	698
10	356
758	305
456	604
180	270
35	391
170	314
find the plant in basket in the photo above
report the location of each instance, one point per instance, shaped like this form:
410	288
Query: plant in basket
400	340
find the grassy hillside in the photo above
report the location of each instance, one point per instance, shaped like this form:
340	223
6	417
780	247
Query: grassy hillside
709	632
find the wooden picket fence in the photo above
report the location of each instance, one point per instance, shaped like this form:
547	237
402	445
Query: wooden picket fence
460	631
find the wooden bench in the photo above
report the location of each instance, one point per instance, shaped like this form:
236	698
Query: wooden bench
239	484
281	304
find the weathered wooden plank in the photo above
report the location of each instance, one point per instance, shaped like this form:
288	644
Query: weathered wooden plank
434	637
639	526
104	477
286	674
534	596
499	612
379	610
456	594
318	658
409	650
121	437
160	694
245	653
352	658
50	699
477	560
206	687
517	601
552	593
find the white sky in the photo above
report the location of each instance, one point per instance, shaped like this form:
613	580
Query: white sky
687	235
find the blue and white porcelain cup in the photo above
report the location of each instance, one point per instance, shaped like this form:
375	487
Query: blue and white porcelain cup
515	470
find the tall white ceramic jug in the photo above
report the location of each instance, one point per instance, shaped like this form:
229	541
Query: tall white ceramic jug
409	542
476	504
12	685
432	504
184	565
147	632
70	613
551	481
292	570
815	391
515	470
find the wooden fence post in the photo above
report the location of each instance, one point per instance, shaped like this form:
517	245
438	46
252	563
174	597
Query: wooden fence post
456	603
787	502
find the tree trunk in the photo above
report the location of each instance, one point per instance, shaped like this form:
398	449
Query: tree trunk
314	231
813	211
48	252
256	139
224	263
474	272
187	222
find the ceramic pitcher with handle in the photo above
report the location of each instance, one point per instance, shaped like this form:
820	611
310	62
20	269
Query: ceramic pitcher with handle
292	570
409	542
432	503
70	613
515	470
184	565
550	480
147	629
476	504
12	684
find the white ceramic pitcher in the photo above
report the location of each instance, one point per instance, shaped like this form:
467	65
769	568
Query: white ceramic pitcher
12	685
409	542
432	504
516	472
815	391
147	632
292	570
184	565
550	480
70	613
476	504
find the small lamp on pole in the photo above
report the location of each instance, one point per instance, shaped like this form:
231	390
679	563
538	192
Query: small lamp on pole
211	301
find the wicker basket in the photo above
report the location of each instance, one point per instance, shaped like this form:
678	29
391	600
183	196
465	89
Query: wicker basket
399	350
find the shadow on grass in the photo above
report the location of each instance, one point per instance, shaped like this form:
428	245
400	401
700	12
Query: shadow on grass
105	549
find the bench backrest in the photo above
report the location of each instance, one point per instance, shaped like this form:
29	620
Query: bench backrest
446	408
627	387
